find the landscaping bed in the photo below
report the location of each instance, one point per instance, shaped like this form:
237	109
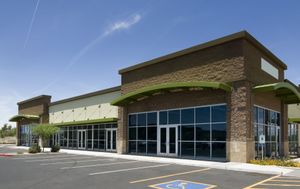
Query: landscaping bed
276	162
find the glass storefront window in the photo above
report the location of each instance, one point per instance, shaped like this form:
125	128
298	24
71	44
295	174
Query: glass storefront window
187	149
132	120
219	150
141	119
132	133
152	118
95	136
163	118
173	117
187	116
187	132
142	133
201	132
267	123
218	113
218	132
203	115
293	130
152	132
26	136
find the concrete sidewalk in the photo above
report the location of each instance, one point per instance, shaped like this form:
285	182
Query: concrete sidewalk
233	166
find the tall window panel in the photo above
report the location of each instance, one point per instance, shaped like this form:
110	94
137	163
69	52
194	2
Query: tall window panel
142	128
267	123
201	131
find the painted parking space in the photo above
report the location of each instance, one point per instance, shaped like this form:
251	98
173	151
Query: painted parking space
58	159
77	161
99	165
46	156
93	172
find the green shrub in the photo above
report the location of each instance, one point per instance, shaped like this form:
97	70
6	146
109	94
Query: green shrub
55	148
35	148
277	162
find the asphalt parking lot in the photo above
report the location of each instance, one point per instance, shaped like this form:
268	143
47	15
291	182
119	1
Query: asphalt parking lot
89	172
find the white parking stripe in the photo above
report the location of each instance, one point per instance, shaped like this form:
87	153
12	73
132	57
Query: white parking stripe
57	159
47	157
41	154
131	169
99	165
66	162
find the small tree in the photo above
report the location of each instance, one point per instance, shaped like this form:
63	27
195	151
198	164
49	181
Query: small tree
7	130
44	131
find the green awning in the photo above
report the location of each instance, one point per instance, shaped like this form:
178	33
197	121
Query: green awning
286	91
294	120
148	91
17	118
85	122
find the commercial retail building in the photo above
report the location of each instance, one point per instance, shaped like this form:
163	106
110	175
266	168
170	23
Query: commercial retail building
210	101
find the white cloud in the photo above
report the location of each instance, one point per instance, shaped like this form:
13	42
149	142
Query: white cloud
117	26
121	25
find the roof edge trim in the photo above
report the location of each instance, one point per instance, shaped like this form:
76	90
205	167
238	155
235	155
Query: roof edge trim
239	35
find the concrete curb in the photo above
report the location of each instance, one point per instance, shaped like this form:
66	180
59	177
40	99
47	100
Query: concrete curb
7	154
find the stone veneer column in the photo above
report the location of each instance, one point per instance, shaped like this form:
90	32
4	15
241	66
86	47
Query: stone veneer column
284	131
18	136
122	132
240	144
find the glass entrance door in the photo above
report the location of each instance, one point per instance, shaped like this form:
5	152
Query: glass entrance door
111	139
167	140
81	139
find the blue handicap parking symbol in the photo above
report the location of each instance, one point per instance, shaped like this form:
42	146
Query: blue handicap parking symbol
181	184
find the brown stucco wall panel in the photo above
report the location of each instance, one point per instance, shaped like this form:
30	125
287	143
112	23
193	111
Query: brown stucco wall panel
178	100
35	107
221	63
33	110
268	100
254	72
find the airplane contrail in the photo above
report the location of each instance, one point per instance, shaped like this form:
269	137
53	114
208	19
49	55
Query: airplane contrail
31	23
117	26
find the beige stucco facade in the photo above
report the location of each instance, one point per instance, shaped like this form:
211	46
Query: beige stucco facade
294	111
88	108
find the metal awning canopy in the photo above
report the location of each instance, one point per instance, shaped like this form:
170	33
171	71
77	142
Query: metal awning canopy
17	118
85	122
173	86
284	90
294	120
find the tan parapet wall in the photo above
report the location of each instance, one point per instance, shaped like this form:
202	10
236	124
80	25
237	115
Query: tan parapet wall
294	111
89	108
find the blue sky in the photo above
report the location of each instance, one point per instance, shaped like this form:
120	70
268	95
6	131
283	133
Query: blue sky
66	48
